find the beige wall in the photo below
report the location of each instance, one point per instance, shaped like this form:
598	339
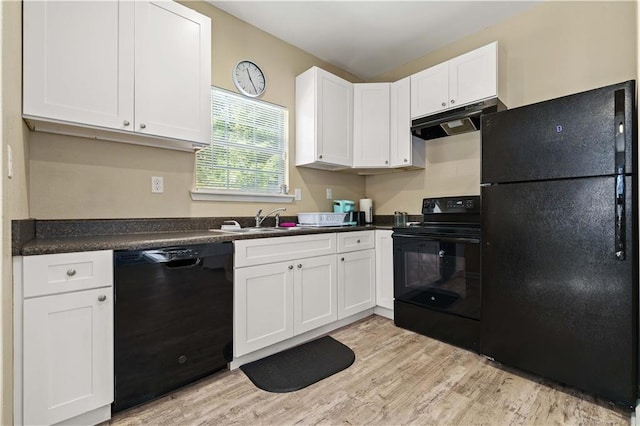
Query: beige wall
14	191
82	178
554	49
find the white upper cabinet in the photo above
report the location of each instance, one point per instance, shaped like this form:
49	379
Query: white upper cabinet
460	81
363	127
135	72
371	125
324	120
79	62
405	150
473	76
173	71
430	90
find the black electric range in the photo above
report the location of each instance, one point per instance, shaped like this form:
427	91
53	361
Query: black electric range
437	271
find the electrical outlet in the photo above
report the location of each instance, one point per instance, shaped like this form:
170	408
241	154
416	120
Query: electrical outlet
157	184
329	194
298	194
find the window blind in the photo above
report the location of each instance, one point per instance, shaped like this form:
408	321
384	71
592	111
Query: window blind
248	145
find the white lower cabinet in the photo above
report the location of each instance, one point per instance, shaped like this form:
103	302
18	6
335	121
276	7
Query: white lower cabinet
63	338
356	282
262	306
68	355
312	287
384	269
314	293
277	301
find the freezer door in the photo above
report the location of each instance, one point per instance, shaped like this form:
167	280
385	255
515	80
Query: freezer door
556	301
570	136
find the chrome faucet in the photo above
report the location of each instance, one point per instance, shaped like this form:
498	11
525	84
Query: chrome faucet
259	218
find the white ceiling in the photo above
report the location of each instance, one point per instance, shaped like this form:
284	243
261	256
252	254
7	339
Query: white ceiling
368	38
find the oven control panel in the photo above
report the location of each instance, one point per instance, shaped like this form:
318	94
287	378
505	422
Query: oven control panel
463	204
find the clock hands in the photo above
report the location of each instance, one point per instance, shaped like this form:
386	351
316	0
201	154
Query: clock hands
251	80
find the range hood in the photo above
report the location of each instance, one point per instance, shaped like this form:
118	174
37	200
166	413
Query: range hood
454	121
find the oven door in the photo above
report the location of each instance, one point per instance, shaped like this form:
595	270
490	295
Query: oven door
438	272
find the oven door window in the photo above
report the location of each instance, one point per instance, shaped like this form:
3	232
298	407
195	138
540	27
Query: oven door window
439	274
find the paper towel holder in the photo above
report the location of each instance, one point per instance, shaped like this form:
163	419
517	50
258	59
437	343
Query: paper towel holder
366	205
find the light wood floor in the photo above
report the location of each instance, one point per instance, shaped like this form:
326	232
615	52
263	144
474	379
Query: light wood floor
399	377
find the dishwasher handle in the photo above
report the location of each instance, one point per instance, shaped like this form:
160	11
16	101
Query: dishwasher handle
183	263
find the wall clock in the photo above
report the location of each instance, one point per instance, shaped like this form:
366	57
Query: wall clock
249	79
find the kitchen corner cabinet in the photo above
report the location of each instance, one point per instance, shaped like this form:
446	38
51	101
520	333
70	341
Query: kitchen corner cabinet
405	150
371	125
356	272
324	120
283	286
64	338
460	81
135	72
384	269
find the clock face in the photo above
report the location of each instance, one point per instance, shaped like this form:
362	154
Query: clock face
249	79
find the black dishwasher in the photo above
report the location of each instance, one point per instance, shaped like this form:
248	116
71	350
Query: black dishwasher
173	318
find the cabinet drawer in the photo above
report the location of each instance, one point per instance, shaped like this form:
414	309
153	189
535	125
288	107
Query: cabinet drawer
357	240
278	249
65	272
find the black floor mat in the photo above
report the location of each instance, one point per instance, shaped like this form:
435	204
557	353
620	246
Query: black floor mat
301	366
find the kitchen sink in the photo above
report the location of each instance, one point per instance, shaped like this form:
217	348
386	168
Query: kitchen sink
251	230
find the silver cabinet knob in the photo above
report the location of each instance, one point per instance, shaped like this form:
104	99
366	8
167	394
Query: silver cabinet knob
143	126
102	298
453	101
290	267
320	156
444	104
441	253
358	241
71	272
386	161
299	265
342	259
126	122
405	160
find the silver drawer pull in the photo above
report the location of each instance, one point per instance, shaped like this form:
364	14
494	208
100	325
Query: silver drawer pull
290	266
71	272
102	298
299	265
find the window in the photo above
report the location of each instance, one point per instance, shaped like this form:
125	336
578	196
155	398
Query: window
248	147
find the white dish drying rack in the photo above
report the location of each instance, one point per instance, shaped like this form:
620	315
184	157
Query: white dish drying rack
324	219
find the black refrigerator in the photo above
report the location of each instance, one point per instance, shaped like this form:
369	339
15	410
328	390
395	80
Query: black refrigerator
560	240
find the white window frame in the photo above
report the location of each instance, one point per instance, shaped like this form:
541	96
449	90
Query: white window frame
206	194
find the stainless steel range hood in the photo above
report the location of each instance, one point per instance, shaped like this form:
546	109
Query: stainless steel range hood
454	121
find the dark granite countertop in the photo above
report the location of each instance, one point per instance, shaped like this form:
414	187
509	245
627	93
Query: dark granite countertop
56	242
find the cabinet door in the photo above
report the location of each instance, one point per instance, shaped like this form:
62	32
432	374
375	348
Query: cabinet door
400	123
263	306
315	293
173	63
371	125
356	282
334	119
78	62
384	269
68	355
473	76
430	90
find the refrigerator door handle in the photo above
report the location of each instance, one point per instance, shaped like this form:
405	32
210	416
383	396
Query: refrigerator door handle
619	124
